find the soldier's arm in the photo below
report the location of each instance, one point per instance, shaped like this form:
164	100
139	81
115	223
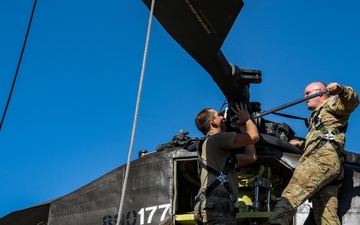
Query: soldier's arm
298	143
347	100
249	156
249	133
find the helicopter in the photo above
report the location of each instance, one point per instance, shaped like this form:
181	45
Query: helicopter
163	183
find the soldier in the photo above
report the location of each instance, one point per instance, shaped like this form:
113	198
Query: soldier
320	171
218	192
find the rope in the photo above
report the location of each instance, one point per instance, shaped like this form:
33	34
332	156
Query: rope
18	66
136	114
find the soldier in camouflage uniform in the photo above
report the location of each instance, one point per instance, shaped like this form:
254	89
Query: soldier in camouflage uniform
218	191
319	173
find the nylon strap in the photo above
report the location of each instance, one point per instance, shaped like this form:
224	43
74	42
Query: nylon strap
220	176
327	136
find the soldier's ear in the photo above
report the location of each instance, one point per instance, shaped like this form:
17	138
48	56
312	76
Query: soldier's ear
212	121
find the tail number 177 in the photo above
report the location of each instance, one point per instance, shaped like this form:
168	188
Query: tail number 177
153	209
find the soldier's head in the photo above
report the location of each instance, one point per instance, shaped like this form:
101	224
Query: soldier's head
313	88
209	120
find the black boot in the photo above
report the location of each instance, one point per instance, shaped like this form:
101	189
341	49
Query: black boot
282	214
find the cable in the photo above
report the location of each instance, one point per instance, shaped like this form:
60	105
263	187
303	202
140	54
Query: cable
289	116
136	114
18	66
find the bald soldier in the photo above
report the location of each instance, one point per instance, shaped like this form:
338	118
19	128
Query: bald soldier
320	171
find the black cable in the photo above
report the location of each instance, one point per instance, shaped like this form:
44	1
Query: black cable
18	66
289	116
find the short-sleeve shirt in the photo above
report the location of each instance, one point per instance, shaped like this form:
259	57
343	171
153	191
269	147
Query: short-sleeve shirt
216	150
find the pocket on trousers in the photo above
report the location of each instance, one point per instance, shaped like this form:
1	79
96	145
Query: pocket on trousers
201	207
208	204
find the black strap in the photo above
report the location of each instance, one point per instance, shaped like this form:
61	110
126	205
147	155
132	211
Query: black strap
221	176
334	144
320	126
323	140
199	152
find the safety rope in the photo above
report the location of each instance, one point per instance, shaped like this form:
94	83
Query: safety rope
18	65
136	113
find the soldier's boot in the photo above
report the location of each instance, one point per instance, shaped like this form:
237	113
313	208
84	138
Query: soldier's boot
282	214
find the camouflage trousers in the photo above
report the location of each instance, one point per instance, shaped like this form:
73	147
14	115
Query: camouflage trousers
216	209
312	179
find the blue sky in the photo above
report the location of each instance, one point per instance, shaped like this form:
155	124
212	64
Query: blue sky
72	110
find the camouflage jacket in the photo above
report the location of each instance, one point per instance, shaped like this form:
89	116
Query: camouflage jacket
334	114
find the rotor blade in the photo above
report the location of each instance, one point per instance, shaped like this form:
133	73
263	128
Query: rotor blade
290	104
200	28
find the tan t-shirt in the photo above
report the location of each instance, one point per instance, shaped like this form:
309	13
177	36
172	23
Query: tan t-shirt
215	152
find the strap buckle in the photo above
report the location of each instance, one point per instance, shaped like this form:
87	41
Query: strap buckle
329	136
200	198
317	123
222	178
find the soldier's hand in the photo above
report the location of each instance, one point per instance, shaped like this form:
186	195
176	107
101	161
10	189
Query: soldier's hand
335	88
242	113
295	142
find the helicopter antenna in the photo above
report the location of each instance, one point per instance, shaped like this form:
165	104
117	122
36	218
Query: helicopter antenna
136	114
18	66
